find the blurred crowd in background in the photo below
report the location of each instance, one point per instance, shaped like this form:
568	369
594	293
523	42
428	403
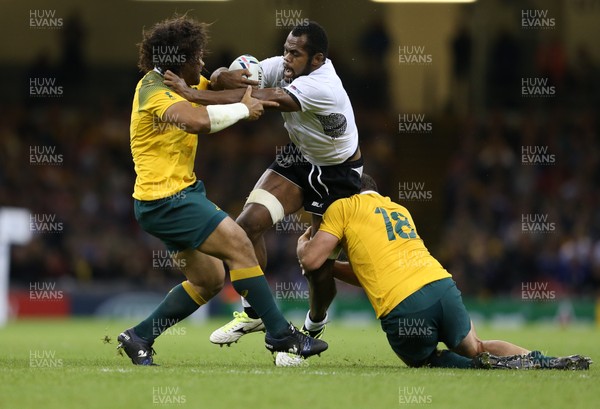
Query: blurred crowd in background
487	190
510	221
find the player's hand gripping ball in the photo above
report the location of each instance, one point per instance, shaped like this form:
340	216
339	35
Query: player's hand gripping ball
250	63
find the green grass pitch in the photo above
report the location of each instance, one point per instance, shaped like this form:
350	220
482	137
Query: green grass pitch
67	364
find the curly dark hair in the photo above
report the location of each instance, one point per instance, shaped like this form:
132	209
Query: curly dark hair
316	38
169	44
367	183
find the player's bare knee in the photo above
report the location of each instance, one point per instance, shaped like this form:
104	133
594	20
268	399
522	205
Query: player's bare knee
468	346
481	346
244	245
208	285
476	347
262	210
215	289
242	254
217	284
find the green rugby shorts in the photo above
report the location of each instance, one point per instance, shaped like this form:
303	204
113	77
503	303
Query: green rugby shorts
434	313
181	221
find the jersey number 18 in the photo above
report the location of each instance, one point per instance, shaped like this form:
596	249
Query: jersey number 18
401	221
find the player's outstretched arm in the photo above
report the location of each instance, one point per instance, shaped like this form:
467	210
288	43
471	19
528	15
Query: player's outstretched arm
285	102
256	106
281	100
202	97
213	118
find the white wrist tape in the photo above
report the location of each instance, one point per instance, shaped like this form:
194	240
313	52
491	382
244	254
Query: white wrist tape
222	116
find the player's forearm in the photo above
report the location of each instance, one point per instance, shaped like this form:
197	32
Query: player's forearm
302	253
205	98
230	96
309	258
209	119
223	116
313	252
342	270
286	103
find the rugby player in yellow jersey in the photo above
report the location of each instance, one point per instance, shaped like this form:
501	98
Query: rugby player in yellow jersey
170	202
412	294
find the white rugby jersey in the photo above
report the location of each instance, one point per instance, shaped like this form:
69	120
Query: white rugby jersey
324	130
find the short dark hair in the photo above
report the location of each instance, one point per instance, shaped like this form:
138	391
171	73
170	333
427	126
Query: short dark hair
186	34
316	38
367	183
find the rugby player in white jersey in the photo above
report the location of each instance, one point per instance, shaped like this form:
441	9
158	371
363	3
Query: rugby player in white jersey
322	163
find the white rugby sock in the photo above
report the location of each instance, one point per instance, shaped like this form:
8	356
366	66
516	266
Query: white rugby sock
314	326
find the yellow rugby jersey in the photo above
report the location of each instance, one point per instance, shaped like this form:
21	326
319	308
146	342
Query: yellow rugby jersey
163	154
386	253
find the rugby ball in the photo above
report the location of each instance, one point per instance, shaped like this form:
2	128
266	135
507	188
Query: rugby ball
250	63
